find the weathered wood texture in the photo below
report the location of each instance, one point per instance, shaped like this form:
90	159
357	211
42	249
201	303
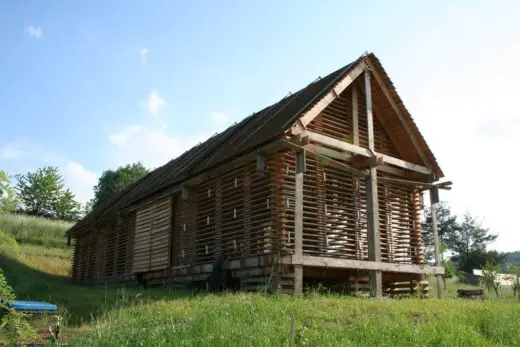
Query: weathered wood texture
247	211
152	236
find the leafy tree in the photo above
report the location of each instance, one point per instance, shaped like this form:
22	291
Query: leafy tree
476	259
87	208
489	277
112	182
514	275
470	237
512	257
40	191
66	207
446	223
8	198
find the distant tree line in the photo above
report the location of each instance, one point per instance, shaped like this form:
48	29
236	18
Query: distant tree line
43	193
465	237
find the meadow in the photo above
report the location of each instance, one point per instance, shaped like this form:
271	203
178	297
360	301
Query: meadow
134	316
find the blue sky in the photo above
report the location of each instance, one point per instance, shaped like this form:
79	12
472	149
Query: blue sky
93	85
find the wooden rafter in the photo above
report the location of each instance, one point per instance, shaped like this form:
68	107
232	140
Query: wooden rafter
325	101
396	109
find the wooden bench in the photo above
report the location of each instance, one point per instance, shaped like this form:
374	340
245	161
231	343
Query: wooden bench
476	294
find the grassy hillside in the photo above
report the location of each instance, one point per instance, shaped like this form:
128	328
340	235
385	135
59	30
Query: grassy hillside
35	230
115	316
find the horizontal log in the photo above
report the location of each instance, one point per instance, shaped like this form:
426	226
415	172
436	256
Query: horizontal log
362	265
348	147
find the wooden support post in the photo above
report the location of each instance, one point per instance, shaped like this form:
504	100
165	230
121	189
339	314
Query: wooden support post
355	122
69	239
218	216
374	244
119	224
298	222
434	199
247	210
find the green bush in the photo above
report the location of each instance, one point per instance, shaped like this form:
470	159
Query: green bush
13	325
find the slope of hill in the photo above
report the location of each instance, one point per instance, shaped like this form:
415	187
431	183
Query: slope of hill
512	257
116	316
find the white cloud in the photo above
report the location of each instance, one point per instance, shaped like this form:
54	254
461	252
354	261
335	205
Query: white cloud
154	103
219	118
143	52
79	180
33	31
121	138
152	146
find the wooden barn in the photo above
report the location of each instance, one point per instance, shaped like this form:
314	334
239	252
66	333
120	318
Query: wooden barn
324	186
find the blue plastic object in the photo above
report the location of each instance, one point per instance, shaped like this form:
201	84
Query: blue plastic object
38	306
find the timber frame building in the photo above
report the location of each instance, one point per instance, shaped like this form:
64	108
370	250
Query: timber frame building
323	186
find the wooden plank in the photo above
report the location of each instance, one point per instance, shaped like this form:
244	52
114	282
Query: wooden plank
327	262
308	116
374	240
355	122
327	160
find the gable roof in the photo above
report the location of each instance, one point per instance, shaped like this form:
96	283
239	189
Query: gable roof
241	138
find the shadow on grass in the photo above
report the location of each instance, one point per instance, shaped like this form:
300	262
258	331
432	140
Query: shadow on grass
79	304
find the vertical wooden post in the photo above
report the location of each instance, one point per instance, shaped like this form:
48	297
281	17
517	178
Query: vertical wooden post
119	224
218	216
247	210
355	122
298	222
374	244
69	239
434	199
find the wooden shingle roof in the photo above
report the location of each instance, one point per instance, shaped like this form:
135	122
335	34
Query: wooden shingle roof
239	139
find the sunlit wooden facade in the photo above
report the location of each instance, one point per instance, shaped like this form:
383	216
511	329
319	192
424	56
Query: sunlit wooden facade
323	186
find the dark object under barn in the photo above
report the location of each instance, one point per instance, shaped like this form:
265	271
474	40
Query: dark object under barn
471	294
323	186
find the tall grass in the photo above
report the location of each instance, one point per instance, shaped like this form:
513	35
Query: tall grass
119	316
320	320
35	230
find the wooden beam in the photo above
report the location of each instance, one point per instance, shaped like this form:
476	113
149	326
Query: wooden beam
405	164
374	242
344	156
434	199
326	262
298	220
327	160
392	102
260	163
325	101
348	147
338	144
355	122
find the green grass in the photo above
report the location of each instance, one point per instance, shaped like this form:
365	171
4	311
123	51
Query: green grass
117	316
35	230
